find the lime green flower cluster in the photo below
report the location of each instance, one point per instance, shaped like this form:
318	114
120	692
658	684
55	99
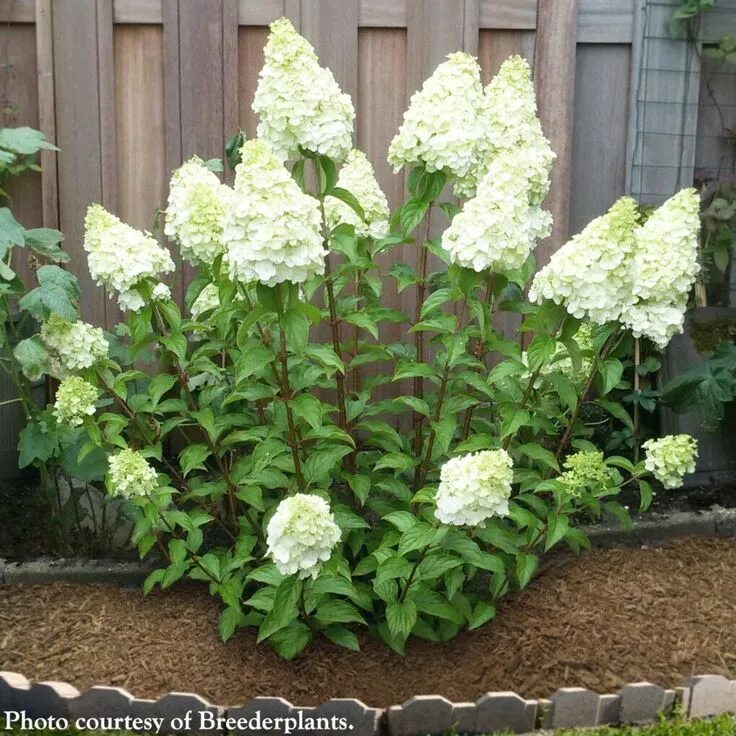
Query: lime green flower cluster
670	458
75	400
584	471
130	475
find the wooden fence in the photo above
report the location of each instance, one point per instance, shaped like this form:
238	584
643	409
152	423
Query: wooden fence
129	88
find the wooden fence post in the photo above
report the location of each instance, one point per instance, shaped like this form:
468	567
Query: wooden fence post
554	73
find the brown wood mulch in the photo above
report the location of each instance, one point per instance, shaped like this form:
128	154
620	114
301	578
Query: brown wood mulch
610	617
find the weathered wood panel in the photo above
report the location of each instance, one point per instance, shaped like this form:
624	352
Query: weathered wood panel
251	40
79	134
141	135
497	46
600	132
554	65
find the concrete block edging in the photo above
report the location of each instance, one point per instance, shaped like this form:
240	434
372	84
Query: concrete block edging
641	702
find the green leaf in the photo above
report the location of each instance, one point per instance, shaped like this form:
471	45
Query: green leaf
57	293
482	613
35	444
537	452
229	621
45	241
436	565
435	300
284	607
404	274
565	389
362	320
409	369
402	520
540	350
345	196
193	458
610	371
336	611
395	461
24	141
411	214
417	536
342	637
557	526
33	358
526	566
616	410
291	640
645	494
308	408
401	617
160	385
296	327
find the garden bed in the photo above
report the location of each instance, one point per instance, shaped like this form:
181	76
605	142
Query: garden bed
610	617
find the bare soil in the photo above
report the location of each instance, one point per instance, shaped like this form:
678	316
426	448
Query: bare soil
607	618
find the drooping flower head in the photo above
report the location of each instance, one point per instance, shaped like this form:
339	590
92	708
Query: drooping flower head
195	211
443	127
207	299
161	293
130	475
664	268
510	124
302	534
272	228
358	177
584	471
72	346
474	488
120	257
497	229
670	458
590	274
75	400
299	103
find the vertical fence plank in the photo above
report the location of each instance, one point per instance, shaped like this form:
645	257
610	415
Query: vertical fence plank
471	26
554	65
140	132
251	40
599	133
79	134
46	111
496	46
230	111
331	26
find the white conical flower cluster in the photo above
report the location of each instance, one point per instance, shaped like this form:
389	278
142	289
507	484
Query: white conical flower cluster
130	475
195	211
272	228
670	458
301	535
72	346
474	488
497	229
358	177
510	124
75	400
120	257
299	103
443	127
590	274
664	268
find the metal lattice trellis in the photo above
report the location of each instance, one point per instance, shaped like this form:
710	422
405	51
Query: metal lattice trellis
685	103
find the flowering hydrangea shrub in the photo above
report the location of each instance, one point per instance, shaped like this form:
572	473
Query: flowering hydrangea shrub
263	435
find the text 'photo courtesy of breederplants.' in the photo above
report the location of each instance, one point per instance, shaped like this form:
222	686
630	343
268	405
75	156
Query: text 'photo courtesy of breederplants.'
271	442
